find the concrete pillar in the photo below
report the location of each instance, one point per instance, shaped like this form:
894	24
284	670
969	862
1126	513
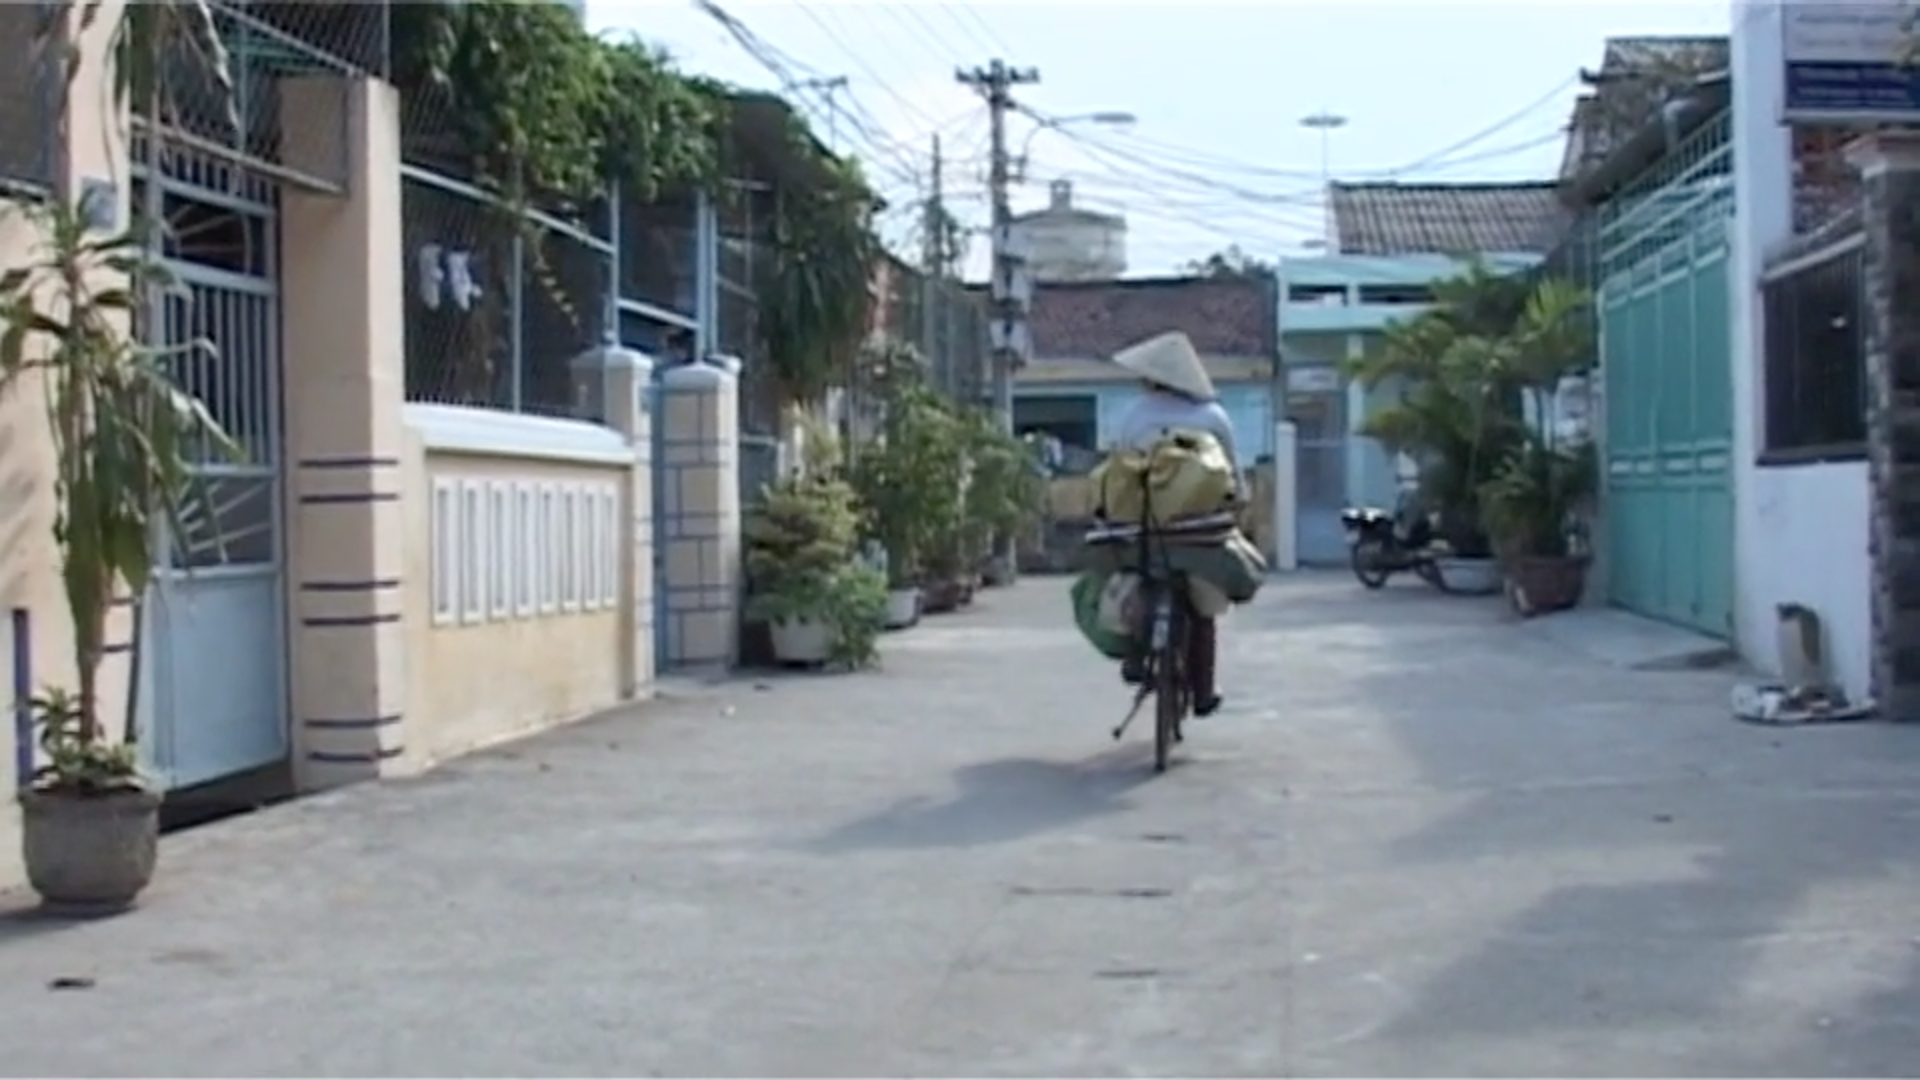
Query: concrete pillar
342	282
612	385
1889	164
1762	219
1286	509
700	499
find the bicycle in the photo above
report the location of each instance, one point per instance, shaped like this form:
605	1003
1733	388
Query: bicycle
1168	621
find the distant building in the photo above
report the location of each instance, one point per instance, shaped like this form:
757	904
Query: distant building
1389	243
1071	243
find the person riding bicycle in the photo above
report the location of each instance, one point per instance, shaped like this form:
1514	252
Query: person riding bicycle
1179	395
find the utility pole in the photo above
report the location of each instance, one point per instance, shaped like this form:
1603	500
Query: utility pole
933	265
995	82
830	87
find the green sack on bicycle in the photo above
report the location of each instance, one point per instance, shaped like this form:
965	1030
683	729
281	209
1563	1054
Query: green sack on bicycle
1088	591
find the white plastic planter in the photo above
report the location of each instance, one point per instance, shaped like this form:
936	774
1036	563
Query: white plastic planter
801	641
903	608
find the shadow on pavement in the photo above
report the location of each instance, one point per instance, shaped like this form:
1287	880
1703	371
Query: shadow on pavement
999	802
21	919
1620	775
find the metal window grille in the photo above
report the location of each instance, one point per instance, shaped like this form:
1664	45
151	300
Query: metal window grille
1816	354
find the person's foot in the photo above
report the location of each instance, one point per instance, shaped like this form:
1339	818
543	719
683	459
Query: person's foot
1207	706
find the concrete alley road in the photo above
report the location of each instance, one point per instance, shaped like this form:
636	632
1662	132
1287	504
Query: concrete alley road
1421	840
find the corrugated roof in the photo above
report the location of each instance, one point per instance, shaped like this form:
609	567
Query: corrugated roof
1394	218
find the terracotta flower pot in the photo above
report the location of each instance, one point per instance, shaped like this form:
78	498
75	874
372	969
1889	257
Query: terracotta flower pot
1538	584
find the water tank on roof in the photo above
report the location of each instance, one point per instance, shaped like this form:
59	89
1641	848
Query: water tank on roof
1065	242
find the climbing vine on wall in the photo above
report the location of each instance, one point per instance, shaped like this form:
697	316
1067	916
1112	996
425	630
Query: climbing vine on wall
544	110
544	113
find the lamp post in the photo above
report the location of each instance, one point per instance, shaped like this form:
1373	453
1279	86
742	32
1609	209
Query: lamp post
1105	118
1326	123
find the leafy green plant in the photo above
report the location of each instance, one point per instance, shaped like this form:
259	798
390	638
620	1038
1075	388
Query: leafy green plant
1533	503
814	294
75	759
124	437
1466	368
544	115
544	110
802	565
1006	488
910	474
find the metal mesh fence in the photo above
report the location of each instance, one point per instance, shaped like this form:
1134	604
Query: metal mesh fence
266	45
564	288
947	324
496	309
29	87
657	260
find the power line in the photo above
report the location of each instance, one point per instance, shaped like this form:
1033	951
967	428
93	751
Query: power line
1495	128
1445	157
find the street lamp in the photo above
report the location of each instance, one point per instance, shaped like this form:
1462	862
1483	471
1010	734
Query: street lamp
1326	123
1105	118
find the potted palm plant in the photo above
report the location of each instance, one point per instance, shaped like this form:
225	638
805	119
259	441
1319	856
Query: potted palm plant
1536	503
124	438
1533	507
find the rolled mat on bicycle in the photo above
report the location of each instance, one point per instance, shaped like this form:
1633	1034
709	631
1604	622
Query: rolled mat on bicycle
1229	562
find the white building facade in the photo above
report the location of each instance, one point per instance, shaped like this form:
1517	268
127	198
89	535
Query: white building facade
1801	514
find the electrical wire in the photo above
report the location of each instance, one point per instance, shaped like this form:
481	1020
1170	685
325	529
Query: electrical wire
1157	180
1446	157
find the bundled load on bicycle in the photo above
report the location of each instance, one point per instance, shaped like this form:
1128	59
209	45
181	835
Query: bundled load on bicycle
1167	556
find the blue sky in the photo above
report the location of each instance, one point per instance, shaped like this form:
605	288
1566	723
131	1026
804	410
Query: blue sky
1472	90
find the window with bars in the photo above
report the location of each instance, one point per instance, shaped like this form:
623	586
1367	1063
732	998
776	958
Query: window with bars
1815	369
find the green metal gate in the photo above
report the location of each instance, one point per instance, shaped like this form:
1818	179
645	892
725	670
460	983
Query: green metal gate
1666	352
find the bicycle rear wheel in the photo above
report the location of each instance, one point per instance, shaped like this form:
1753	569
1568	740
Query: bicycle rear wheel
1170	678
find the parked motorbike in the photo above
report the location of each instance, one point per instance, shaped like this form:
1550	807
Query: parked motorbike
1382	543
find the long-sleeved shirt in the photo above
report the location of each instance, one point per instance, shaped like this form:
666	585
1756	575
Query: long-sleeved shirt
1158	413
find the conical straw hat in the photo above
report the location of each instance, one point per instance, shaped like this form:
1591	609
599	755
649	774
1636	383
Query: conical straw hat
1171	361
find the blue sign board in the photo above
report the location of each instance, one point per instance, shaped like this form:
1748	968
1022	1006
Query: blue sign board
1847	62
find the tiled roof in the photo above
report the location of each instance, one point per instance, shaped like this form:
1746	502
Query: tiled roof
1637	75
1395	218
1094	319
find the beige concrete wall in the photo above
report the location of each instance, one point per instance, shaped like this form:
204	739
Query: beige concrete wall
29	562
342	327
523	559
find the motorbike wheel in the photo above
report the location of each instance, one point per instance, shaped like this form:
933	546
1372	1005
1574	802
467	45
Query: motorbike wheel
1369	560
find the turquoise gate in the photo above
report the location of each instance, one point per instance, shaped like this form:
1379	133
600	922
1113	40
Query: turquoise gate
1666	355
